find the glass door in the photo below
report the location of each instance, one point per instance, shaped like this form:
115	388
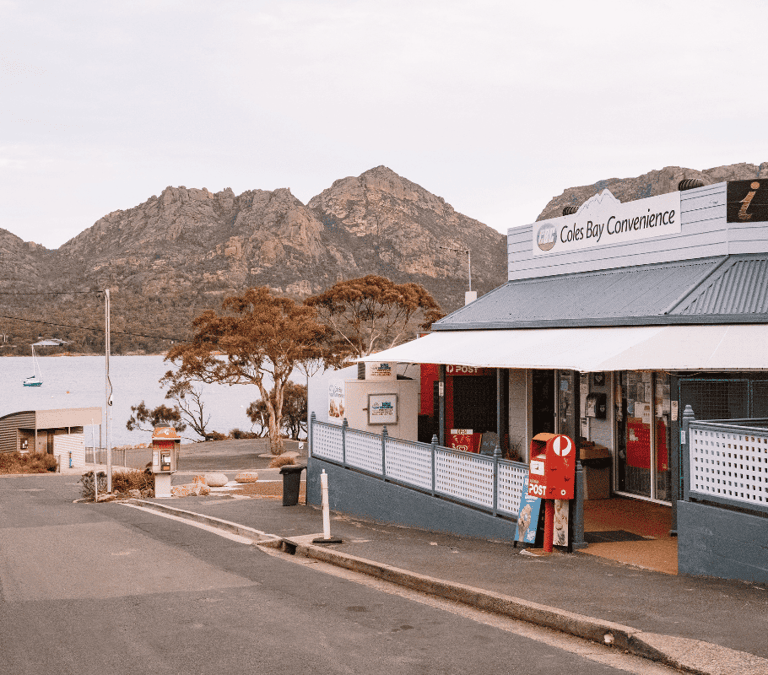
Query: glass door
643	410
662	412
634	456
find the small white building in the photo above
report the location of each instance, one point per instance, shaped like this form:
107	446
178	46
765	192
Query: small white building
57	432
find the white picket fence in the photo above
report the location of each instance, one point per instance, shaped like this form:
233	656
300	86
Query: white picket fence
488	483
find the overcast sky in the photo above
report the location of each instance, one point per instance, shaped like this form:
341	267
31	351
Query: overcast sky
496	106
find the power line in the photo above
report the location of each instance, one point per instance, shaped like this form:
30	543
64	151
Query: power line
95	330
50	293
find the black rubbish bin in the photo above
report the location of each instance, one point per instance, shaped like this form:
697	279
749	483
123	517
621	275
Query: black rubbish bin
291	474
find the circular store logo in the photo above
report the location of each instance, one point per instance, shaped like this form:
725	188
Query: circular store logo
546	237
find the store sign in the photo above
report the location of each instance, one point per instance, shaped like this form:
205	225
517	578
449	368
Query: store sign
380	371
382	408
468	370
747	201
603	221
336	401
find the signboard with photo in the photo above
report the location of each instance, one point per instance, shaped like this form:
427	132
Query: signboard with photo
528	520
382	408
336	402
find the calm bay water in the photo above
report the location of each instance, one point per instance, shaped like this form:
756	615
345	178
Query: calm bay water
78	382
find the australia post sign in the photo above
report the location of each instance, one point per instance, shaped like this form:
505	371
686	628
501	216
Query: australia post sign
604	221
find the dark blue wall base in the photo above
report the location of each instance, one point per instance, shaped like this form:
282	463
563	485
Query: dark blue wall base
721	543
360	495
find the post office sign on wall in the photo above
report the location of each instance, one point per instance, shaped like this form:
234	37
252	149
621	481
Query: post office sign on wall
468	370
382	408
603	220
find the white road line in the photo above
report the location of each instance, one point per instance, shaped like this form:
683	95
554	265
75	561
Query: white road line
202	526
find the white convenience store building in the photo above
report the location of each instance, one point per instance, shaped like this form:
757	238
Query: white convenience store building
614	320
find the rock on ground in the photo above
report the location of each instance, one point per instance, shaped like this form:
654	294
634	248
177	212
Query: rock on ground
216	479
190	489
247	477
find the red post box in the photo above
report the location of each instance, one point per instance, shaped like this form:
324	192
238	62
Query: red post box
552	468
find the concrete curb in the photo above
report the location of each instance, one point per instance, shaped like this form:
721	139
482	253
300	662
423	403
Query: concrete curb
257	536
605	632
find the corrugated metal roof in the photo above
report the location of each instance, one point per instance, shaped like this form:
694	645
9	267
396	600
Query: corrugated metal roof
695	291
739	287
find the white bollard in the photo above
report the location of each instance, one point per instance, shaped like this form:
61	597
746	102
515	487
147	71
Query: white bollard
326	538
326	505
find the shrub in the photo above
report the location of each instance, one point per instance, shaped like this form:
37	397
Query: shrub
131	479
240	434
86	482
281	460
215	436
28	462
122	483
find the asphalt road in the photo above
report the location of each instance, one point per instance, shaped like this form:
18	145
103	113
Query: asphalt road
104	588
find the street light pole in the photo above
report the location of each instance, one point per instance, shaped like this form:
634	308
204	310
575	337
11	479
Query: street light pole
107	388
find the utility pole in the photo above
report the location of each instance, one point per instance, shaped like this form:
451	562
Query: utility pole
469	296
107	388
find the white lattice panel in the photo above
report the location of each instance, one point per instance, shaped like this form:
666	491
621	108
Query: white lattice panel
410	463
326	441
363	451
510	487
729	464
466	476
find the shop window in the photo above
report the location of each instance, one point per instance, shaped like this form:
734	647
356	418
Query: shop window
716	399
760	399
543	398
474	403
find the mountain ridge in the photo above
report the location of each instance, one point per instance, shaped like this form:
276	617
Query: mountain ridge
186	248
180	252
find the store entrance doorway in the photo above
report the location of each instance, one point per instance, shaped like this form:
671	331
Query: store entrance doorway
643	432
632	532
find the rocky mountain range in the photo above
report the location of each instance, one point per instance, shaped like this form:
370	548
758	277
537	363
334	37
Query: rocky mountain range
181	252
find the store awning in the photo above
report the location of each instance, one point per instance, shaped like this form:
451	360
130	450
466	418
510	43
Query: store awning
677	347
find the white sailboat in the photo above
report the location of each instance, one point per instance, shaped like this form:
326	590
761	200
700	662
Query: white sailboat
36	379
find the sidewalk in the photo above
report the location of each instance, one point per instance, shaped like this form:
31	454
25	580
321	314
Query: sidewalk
700	625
